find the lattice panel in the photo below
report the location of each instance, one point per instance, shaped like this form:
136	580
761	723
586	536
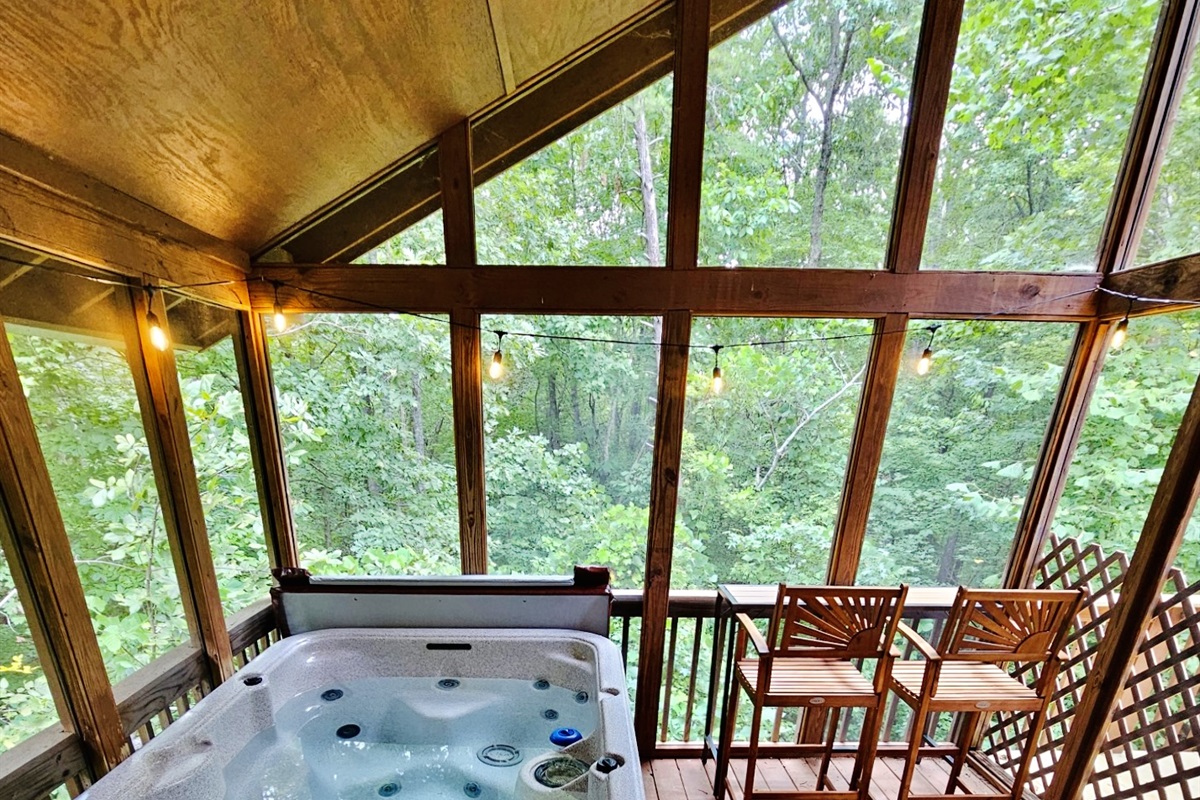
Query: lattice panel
1153	749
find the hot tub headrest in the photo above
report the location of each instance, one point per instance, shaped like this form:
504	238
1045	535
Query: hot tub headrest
305	602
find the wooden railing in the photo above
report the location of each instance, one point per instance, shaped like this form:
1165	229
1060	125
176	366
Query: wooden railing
1154	740
51	764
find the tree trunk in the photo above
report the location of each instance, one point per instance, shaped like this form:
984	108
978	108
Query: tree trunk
552	397
418	416
646	177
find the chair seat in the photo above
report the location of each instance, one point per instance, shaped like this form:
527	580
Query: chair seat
966	686
810	681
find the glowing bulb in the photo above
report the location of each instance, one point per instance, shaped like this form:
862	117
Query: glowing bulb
158	336
1120	333
497	367
718	382
280	319
925	363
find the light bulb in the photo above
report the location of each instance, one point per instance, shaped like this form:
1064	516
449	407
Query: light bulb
280	319
718	382
1120	333
497	367
158	336
925	362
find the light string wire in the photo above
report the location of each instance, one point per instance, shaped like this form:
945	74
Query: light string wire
366	304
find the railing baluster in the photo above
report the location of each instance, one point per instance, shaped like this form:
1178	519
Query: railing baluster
695	670
625	641
668	680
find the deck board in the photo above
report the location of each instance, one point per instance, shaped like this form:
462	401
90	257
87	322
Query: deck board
688	779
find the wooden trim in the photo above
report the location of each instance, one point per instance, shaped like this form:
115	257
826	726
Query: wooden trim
466	371
37	766
1058	449
1175	279
688	102
1149	133
866	451
250	624
1161	536
746	291
266	442
50	208
145	693
789	750
923	136
458	201
660	536
170	447
39	555
544	110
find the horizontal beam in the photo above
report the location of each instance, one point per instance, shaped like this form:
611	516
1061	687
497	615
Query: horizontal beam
517	127
1177	279
48	207
648	290
34	768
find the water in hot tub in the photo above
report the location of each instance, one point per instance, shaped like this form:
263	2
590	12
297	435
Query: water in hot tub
408	738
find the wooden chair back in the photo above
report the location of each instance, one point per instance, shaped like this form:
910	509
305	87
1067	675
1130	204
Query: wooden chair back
1008	625
841	622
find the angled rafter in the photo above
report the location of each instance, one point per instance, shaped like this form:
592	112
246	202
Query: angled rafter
520	125
1175	280
47	207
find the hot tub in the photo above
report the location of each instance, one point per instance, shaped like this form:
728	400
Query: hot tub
404	713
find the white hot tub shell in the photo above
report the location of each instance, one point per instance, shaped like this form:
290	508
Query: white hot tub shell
241	732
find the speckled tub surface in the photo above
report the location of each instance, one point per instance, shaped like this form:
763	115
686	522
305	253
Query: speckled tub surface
415	713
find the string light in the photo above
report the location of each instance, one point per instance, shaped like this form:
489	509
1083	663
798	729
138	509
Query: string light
1122	330
926	360
718	382
158	335
277	311
496	370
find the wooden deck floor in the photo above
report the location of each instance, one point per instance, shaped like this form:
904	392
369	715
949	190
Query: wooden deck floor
688	779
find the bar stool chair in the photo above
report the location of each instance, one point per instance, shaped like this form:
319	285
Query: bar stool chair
807	660
986	630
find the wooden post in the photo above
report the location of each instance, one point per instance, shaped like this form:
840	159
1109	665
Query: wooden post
1161	537
266	442
39	556
660	536
923	137
178	489
688	102
1149	133
458	226
874	409
467	387
1058	449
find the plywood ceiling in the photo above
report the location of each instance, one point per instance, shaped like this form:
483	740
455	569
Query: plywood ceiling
244	118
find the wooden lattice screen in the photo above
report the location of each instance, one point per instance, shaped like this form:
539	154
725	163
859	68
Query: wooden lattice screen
1153	744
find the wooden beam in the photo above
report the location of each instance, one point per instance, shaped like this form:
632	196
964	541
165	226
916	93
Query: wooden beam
641	290
689	100
163	419
866	450
1161	536
660	536
500	37
519	125
48	207
39	556
1175	280
923	136
1058	449
467	387
1149	133
466	383
266	443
